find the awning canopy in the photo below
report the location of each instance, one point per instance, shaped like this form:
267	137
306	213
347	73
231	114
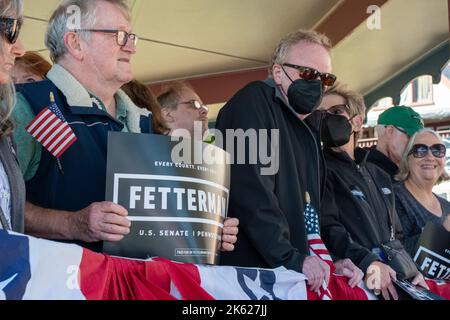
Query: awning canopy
431	64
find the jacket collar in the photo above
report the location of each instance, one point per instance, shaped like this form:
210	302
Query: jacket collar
383	161
271	83
78	96
73	90
361	156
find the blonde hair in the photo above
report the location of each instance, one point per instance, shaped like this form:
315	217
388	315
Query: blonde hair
353	99
281	52
404	169
8	9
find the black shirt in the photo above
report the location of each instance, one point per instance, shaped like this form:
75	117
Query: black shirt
379	159
271	207
414	216
357	207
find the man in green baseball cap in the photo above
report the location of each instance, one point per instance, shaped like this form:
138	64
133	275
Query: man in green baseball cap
395	126
402	117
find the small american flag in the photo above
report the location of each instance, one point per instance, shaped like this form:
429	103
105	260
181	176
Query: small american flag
315	243
51	130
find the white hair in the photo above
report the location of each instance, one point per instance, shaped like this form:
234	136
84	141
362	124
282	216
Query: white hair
59	23
404	169
380	130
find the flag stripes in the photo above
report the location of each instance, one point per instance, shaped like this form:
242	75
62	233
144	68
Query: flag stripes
51	130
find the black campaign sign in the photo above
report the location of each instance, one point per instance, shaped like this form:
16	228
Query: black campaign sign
433	252
176	209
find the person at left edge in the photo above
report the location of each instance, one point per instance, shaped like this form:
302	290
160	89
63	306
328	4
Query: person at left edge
65	197
12	188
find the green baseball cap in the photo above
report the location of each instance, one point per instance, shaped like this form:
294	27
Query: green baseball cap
402	117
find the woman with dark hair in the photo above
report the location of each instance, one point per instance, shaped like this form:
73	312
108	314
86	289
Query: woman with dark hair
12	188
30	68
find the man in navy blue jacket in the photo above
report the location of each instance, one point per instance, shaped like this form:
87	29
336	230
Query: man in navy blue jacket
92	62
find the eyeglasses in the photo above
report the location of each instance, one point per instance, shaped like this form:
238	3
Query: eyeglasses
10	28
195	104
339	109
122	36
308	73
421	150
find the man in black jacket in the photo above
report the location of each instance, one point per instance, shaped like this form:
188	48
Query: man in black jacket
395	126
270	202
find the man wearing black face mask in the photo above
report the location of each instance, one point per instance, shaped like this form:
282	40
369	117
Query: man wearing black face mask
358	208
271	207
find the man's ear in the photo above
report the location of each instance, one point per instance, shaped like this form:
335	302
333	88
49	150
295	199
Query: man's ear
74	45
390	130
277	73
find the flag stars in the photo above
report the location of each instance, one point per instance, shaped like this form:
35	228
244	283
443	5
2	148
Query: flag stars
312	220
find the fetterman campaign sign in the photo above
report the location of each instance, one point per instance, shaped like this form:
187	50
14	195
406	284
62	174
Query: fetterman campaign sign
433	253
176	208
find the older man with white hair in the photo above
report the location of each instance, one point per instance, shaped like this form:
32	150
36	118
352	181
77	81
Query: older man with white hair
395	126
65	192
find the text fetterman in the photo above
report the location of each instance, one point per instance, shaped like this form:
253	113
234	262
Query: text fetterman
151	198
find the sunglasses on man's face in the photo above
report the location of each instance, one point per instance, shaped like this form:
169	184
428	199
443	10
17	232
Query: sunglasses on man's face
10	28
421	150
308	73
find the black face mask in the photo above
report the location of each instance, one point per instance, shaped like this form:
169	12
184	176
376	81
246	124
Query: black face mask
336	130
304	95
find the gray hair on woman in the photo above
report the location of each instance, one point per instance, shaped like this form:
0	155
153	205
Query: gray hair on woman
9	9
64	16
404	170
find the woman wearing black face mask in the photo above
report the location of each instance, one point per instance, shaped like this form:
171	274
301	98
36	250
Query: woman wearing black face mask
358	210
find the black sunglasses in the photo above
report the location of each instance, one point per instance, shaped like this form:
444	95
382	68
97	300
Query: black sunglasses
421	150
122	37
308	73
10	28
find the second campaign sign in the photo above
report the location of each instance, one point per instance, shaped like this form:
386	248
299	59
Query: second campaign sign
176	199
